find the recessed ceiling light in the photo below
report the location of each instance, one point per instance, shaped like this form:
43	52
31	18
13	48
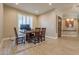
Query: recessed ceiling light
50	4
17	3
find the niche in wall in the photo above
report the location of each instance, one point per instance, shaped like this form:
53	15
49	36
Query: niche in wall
69	24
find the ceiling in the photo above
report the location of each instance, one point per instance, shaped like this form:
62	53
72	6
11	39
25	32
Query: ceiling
40	8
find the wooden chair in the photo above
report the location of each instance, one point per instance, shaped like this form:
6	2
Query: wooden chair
37	29
43	32
38	32
36	36
19	39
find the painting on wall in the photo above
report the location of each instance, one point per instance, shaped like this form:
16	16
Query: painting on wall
69	23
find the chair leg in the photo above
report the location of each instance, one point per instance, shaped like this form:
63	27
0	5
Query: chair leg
41	39
24	42
44	39
16	42
35	42
38	40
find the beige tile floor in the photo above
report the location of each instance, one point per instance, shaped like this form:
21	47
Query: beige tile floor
61	46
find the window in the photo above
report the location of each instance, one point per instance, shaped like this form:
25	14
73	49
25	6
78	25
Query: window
24	20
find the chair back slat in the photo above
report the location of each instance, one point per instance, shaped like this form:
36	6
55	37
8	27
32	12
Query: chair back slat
43	31
37	29
16	34
37	32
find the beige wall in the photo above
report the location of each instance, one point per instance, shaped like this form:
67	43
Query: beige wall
1	20
11	20
48	20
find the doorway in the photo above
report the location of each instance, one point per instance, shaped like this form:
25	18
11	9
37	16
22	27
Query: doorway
59	22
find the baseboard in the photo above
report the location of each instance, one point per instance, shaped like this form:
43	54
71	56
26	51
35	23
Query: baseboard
9	38
50	37
5	39
70	35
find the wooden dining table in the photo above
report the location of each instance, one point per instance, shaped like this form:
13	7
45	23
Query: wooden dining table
28	34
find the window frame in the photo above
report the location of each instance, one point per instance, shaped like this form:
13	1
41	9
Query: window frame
28	18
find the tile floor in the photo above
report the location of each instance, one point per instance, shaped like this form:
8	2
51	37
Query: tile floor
61	46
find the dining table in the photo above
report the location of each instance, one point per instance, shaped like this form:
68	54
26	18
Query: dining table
29	34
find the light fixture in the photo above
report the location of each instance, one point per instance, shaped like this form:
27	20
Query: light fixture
67	19
50	4
36	11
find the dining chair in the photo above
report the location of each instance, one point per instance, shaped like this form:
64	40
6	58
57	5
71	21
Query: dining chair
19	39
43	32
38	32
36	37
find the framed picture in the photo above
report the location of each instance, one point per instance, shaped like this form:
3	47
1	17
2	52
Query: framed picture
69	23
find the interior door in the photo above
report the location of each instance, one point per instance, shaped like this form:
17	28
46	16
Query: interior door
59	26
78	27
